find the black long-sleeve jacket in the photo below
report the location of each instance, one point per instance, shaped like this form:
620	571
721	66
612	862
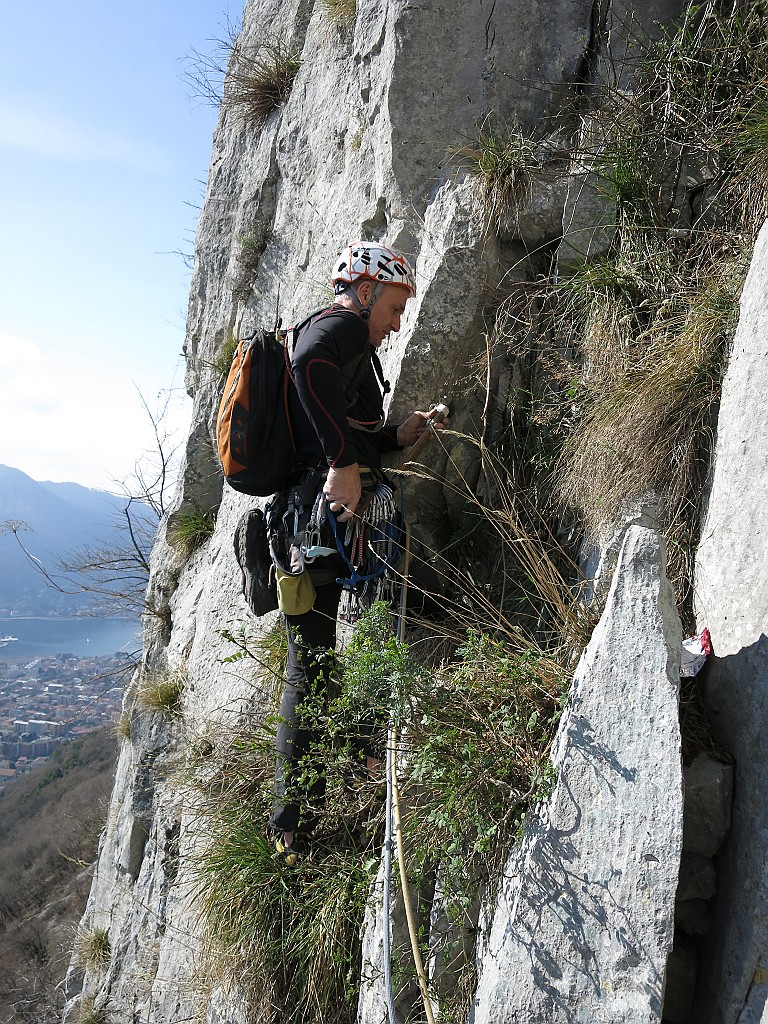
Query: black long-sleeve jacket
325	357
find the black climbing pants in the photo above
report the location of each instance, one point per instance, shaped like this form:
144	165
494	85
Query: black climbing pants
299	778
300	784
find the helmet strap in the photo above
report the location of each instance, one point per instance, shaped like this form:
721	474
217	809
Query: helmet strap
366	312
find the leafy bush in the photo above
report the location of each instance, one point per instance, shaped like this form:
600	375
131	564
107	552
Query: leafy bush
477	732
268	649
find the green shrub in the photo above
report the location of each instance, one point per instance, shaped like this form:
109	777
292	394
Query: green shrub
268	650
477	733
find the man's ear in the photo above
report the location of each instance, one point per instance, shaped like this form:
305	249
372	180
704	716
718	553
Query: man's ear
364	292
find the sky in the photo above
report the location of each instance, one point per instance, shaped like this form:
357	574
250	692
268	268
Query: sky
103	158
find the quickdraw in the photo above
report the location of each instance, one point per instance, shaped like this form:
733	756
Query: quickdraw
371	549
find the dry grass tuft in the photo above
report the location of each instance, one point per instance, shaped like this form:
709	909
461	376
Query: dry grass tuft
259	80
93	948
503	160
652	367
161	693
341	12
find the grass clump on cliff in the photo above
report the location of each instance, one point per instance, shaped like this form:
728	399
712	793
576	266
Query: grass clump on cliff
225	355
654	353
502	160
341	12
189	530
92	1011
259	80
161	693
250	79
93	948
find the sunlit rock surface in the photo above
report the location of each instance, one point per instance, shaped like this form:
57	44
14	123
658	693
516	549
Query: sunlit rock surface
732	600
584	923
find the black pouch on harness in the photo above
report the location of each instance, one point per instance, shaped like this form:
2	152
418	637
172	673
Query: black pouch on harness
252	553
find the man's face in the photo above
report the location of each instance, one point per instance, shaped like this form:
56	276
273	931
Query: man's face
386	313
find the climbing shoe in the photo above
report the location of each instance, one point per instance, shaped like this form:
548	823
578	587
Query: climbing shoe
291	855
252	554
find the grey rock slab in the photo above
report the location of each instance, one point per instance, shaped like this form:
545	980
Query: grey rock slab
707	807
584	924
732	600
693	917
680	983
756	1007
698	880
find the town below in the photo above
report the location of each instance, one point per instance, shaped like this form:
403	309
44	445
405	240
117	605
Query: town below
51	699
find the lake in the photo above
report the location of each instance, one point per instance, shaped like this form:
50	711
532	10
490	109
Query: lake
79	636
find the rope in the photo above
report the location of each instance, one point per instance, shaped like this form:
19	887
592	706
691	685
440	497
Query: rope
393	809
392	778
387	951
412	926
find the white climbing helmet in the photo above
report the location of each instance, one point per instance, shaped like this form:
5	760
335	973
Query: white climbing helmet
373	261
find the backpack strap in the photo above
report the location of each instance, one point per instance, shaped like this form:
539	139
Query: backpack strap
386	387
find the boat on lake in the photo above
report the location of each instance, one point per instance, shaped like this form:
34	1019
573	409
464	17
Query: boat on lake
5	640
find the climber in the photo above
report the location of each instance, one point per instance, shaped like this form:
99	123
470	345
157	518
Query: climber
344	436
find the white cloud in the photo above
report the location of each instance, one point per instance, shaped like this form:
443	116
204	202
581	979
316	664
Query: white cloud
74	421
31	126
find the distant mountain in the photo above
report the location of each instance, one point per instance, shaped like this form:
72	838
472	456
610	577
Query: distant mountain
62	518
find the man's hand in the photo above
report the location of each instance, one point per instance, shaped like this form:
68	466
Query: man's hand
410	430
343	489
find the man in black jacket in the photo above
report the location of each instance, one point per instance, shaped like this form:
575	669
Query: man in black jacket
345	436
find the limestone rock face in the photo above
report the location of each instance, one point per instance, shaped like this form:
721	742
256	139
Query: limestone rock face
732	600
365	146
584	923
